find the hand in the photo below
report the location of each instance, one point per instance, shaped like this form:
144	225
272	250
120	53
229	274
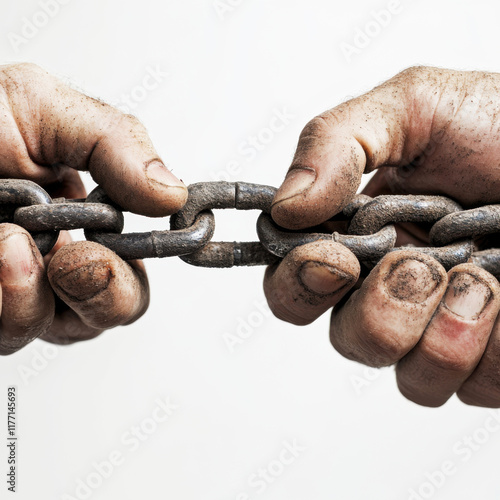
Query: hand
439	328
48	132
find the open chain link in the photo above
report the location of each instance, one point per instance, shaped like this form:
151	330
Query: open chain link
456	235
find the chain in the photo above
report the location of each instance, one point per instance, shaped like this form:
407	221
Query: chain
456	235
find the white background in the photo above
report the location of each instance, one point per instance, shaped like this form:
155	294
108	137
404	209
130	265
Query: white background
227	73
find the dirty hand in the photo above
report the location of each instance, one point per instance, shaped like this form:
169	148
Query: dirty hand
440	329
48	132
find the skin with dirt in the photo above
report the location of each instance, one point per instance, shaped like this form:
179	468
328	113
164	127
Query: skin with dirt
49	132
426	131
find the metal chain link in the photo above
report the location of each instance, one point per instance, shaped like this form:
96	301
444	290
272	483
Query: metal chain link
456	235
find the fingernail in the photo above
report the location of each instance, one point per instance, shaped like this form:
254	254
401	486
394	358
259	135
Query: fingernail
466	296
322	279
17	261
85	282
156	171
411	280
298	180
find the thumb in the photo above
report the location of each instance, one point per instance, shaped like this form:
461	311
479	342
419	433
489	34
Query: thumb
58	126
125	163
379	128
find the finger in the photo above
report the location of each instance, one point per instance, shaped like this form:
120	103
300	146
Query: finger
311	279
68	327
454	340
68	185
27	302
385	318
335	149
62	126
101	288
63	239
482	388
387	126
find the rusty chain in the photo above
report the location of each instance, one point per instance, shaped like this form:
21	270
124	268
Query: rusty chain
456	235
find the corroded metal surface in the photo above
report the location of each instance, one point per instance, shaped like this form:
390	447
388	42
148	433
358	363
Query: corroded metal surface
371	234
279	242
466	224
372	216
238	195
152	243
67	216
15	193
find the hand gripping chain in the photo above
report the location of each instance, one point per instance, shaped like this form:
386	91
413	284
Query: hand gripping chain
456	235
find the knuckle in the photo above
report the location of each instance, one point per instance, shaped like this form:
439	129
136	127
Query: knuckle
125	123
23	68
477	396
411	79
415	81
133	121
30	68
365	341
385	339
414	76
315	132
381	347
416	71
449	360
319	126
15	76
